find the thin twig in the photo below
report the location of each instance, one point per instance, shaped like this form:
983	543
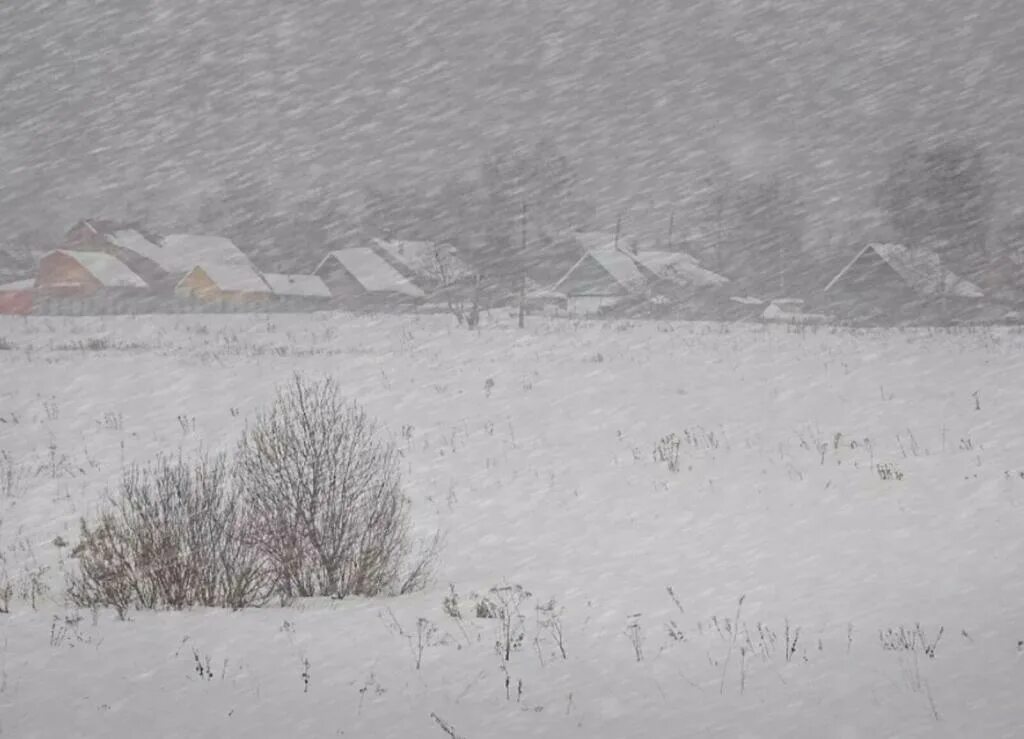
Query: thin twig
732	643
445	726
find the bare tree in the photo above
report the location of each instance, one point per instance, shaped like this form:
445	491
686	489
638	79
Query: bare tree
459	285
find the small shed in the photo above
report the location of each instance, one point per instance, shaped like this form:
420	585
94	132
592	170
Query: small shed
360	279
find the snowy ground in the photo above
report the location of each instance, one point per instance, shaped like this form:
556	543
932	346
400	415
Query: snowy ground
844	484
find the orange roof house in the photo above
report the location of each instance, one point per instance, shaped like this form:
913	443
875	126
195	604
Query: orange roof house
224	283
83	273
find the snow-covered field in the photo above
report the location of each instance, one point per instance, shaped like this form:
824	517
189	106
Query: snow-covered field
846	486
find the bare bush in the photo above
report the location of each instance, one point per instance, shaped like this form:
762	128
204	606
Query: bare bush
175	536
312	506
325	492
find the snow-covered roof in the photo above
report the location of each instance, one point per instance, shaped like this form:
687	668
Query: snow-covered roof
109	271
425	258
236	278
181	252
372	271
678	267
18	286
920	268
303	285
619	266
133	241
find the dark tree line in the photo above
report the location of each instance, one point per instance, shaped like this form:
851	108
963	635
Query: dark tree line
942	197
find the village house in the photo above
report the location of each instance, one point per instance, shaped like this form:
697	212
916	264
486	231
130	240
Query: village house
360	279
891	283
225	286
129	244
82	282
678	285
601	278
162	261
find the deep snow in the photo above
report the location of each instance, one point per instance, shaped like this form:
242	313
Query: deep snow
535	452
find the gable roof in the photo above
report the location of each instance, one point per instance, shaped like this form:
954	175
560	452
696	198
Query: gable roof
921	269
301	285
677	267
620	266
109	271
421	258
105	230
236	278
616	264
181	252
372	271
131	240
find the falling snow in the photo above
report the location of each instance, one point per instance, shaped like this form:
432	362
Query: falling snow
776	490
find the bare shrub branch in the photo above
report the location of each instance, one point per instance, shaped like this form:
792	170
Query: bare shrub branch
326	496
174	537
